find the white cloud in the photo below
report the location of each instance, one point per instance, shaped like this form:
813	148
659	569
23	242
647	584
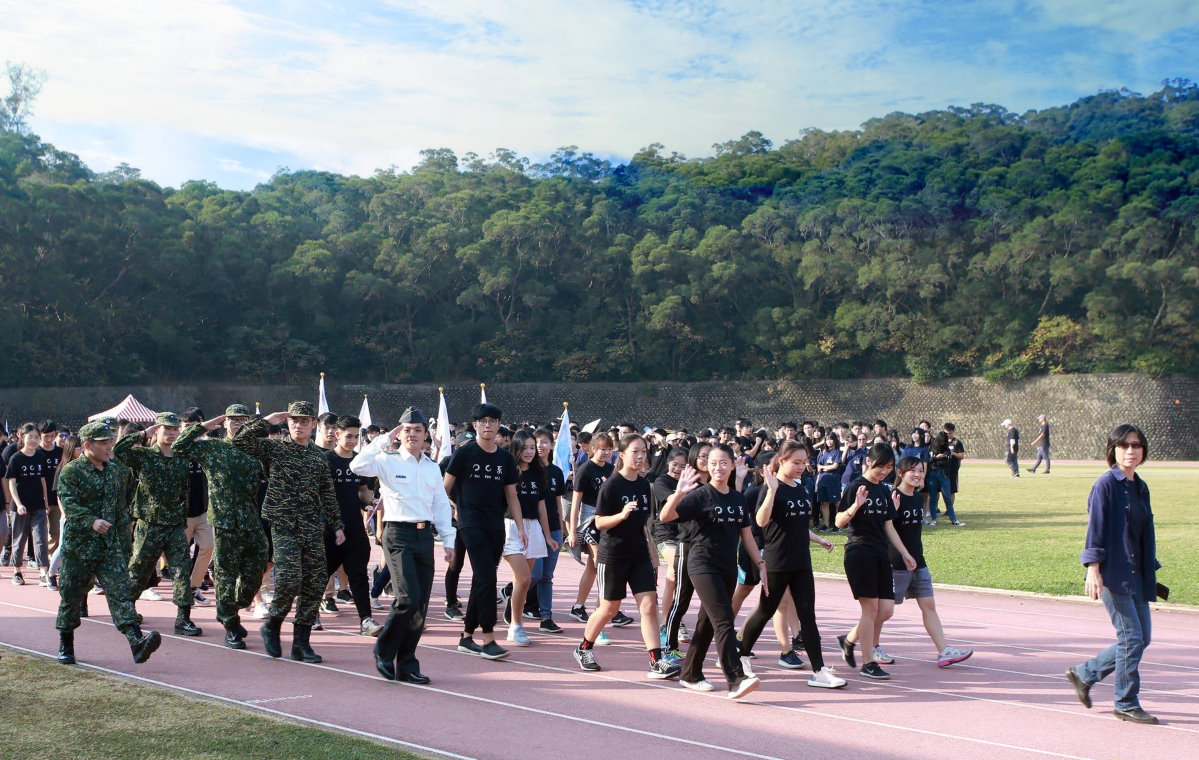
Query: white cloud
607	75
1144	19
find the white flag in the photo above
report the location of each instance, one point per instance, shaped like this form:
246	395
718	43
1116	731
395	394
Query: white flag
322	405
482	393
592	426
364	416
445	442
562	453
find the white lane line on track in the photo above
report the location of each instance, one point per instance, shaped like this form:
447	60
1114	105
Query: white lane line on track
372	677
253	705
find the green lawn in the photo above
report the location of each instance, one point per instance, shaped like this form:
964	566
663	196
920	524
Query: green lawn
71	712
1026	533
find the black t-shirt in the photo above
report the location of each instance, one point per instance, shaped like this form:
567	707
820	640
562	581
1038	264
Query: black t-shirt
661	490
482	479
346	483
29	470
530	492
589	478
9	450
908	521
1013	440
866	528
753	492
1045	434
953	464
52	458
197	490
711	524
787	532
555	487
625	542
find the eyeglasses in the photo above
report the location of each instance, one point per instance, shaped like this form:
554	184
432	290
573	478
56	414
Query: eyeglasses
1130	445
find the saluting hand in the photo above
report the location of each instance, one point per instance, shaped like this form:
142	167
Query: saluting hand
149	433
277	418
214	423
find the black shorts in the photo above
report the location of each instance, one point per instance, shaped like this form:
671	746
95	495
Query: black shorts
748	573
613	577
869	575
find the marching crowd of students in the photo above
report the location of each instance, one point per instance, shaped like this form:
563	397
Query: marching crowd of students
722	512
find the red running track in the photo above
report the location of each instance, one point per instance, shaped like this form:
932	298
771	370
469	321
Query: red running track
1009	701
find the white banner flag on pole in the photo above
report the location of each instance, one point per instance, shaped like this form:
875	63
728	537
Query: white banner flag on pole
322	405
562	453
445	441
364	416
482	393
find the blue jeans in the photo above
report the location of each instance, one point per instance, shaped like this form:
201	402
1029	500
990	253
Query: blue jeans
940	487
543	578
1130	616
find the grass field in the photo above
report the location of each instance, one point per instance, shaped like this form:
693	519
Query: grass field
61	712
1026	534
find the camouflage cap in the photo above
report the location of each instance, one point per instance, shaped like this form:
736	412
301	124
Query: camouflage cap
301	409
110	421
168	419
237	410
96	431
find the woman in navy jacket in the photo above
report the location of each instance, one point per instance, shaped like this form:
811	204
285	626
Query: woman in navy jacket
1121	560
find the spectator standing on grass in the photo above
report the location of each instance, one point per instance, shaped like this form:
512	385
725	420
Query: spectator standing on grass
957	452
1120	555
1042	444
1013	448
93	499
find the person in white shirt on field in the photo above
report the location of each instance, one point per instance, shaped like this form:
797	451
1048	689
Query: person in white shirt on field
414	501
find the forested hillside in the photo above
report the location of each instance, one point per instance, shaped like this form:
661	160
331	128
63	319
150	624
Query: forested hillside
963	241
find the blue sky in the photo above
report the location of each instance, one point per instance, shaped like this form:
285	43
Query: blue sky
231	91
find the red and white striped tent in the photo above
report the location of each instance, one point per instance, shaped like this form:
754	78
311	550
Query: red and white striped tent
130	409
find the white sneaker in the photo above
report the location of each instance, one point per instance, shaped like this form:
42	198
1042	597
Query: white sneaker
517	635
700	685
826	679
745	666
261	611
200	600
603	640
368	627
743	686
376	603
268	596
953	655
882	658
150	595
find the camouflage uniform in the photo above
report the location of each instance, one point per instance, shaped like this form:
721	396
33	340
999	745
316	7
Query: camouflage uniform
241	550
87	495
299	492
160	506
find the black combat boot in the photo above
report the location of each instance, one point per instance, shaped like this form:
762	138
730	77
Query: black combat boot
300	648
237	626
142	644
184	625
233	639
83	608
270	636
66	647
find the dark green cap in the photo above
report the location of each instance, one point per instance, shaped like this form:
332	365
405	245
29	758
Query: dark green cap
301	409
96	431
110	421
237	410
168	419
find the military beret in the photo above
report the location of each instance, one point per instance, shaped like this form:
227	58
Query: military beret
237	410
413	416
301	409
96	431
168	419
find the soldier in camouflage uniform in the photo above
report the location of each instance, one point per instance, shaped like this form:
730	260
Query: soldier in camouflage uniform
241	549
92	493
160	506
299	491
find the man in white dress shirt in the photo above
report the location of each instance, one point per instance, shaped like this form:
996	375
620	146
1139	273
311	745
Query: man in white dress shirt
414	500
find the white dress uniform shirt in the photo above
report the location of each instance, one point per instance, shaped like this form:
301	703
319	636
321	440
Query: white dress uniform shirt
412	486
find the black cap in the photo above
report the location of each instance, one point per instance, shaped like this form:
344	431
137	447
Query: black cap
485	410
413	416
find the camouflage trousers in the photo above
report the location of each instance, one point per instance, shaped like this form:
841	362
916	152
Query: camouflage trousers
149	542
300	572
75	581
239	560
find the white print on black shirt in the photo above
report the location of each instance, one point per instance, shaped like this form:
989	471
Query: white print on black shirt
874	506
728	514
641	499
487	472
802	508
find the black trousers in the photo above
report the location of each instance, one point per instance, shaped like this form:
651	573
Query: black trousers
715	619
409	555
803	593
682	597
353	555
454	571
484	545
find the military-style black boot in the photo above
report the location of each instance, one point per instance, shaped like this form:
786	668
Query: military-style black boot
184	625
270	636
237	626
142	644
300	648
233	639
66	647
83	607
